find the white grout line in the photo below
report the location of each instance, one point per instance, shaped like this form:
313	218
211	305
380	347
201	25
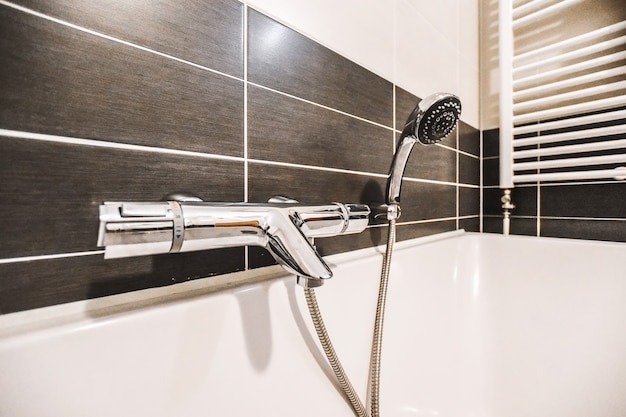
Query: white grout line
612	219
320	105
48	257
246	181
413	222
141	148
469	186
316	168
481	181
553	184
393	121
458	176
245	106
557	184
111	145
441	219
361	173
453	184
538	184
618	219
471	155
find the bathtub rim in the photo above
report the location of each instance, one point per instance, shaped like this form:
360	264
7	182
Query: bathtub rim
108	306
12	324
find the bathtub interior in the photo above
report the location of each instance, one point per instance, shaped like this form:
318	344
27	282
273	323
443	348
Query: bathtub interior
476	325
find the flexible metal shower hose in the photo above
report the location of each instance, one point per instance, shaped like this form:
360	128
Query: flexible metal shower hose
346	386
377	339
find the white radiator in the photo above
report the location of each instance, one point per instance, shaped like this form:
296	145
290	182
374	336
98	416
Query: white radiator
562	102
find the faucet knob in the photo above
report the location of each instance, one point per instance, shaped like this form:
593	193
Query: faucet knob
279	199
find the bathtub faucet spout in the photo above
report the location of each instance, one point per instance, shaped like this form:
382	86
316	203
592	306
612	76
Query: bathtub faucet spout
284	227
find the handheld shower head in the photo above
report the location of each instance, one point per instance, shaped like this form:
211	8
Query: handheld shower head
434	118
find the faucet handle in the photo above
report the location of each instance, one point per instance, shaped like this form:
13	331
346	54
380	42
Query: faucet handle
279	199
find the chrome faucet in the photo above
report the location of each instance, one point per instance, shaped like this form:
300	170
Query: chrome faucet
284	227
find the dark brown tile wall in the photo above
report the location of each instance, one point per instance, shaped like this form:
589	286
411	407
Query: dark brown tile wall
62	81
284	129
207	33
162	107
593	210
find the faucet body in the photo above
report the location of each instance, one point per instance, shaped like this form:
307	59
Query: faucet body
285	229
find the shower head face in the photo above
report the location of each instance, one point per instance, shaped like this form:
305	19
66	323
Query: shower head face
439	115
433	118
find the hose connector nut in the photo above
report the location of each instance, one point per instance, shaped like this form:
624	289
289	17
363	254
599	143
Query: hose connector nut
393	211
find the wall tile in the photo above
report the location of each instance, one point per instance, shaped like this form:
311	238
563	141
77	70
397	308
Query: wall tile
492	224
470	225
491	142
405	104
312	186
469	170
469	201
424	201
614	230
491	172
55	189
27	285
469	139
208	33
284	129
491	201
412	231
519	225
432	162
285	60
61	81
592	200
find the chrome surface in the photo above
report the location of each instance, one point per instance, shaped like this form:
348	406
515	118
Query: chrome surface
284	228
507	207
432	120
331	354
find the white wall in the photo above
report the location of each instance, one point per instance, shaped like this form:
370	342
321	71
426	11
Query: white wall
423	46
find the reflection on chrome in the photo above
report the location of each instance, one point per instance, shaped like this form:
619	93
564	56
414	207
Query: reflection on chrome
284	227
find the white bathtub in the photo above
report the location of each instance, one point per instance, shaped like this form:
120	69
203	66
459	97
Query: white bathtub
477	325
